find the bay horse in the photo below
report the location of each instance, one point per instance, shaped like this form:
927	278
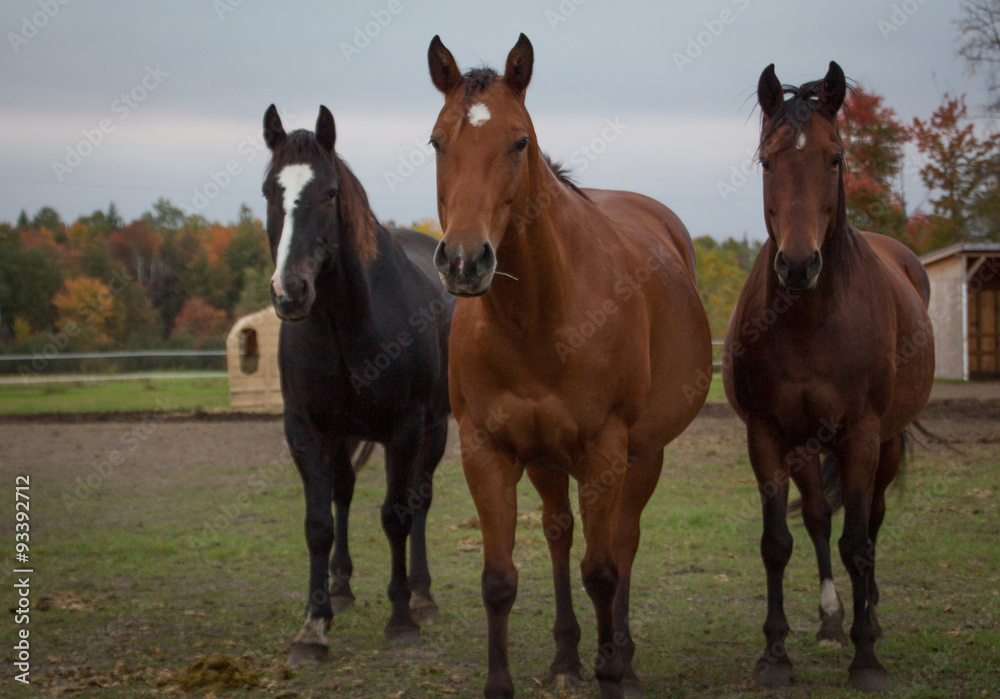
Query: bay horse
830	346
580	348
363	352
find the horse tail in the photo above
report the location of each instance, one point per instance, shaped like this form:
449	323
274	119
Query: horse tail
829	484
360	454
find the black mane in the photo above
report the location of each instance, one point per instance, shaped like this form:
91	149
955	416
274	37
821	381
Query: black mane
795	113
476	80
300	144
562	174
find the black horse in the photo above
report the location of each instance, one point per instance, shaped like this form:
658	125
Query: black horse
363	354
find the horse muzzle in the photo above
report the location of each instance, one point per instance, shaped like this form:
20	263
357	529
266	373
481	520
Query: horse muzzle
292	297
466	273
798	274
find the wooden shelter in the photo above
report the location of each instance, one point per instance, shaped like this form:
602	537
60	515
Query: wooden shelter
965	310
252	359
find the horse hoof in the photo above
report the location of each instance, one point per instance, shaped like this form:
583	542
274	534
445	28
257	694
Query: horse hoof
632	688
868	679
402	635
611	690
566	679
424	610
773	675
308	652
341	604
831	638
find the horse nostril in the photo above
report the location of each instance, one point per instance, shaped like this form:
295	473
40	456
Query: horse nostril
781	263
441	258
487	259
294	286
815	260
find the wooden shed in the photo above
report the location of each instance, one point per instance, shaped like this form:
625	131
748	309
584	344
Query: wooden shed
252	359
965	310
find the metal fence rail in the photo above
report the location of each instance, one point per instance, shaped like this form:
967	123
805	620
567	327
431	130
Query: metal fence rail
113	355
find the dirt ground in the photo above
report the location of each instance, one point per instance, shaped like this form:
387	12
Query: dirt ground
183	441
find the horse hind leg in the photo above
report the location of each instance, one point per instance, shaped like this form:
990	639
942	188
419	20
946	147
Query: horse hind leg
557	524
640	482
341	566
422	605
816	515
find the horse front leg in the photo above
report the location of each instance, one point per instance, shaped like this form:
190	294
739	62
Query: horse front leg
492	478
306	447
643	475
422	605
557	524
401	455
768	458
341	566
859	457
602	471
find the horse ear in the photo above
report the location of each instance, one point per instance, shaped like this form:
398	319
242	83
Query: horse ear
770	94
520	60
274	132
834	89
444	70
326	132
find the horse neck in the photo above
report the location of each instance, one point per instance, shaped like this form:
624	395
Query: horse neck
343	295
533	253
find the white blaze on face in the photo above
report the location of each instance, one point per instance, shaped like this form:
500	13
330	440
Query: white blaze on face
479	114
828	597
800	143
292	178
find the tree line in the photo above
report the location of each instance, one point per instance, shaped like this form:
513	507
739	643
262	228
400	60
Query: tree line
170	280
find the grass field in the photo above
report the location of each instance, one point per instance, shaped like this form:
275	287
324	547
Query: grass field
115	396
155	568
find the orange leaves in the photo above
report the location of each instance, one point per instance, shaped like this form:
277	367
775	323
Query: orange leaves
200	319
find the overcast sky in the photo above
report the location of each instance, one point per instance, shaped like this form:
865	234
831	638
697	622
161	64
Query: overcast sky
175	92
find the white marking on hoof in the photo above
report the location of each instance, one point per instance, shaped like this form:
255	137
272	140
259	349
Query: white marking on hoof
828	599
479	114
293	179
313	631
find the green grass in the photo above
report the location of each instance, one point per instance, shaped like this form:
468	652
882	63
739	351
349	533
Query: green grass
115	396
155	569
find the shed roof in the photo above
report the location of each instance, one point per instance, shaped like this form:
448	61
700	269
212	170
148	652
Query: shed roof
960	249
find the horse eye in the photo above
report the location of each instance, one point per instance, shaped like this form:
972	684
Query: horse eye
521	145
332	193
435	144
838	159
766	165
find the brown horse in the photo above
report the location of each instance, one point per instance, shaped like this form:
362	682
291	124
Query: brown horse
829	349
580	349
